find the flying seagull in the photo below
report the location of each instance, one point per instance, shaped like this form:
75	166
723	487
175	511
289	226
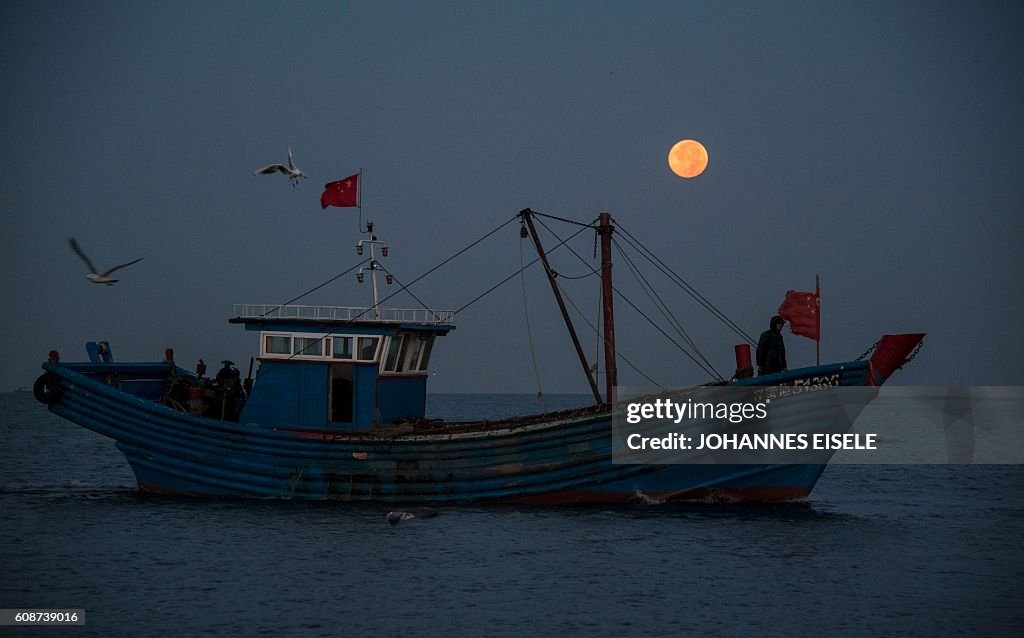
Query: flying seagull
93	276
293	173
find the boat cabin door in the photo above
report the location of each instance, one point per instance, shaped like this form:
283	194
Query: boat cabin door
342	397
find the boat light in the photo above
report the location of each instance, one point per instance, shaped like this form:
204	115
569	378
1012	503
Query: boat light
359	248
384	251
389	279
359	276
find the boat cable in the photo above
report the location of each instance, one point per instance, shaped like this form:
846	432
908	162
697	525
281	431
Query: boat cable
618	353
679	281
689	289
529	331
402	287
646	286
471	245
592	224
311	290
709	371
497	285
558	274
424	275
650	256
405	287
567	221
655	299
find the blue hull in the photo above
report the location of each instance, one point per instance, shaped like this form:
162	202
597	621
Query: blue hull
560	458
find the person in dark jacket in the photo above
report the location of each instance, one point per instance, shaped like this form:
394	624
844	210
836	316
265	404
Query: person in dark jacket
771	349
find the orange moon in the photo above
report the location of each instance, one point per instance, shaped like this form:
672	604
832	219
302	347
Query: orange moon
688	158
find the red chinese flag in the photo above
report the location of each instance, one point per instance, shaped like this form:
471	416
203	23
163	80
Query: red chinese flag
802	311
344	192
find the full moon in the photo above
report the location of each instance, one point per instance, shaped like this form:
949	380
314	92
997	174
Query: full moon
688	158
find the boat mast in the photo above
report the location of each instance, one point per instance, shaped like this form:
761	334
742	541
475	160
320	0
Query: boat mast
527	215
605	230
374	267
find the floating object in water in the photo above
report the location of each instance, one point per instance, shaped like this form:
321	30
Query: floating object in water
395	518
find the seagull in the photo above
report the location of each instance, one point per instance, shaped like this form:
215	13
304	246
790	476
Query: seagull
103	277
293	173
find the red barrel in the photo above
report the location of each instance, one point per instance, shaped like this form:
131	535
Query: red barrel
743	356
195	400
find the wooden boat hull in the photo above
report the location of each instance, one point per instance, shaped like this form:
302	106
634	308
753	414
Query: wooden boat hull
565	458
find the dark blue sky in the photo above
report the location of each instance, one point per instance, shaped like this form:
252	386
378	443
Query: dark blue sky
876	143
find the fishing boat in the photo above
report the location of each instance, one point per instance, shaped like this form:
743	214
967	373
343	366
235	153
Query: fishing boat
337	410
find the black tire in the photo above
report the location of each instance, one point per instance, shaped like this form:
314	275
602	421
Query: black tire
48	389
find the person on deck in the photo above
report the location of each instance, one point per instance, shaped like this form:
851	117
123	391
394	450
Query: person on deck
771	349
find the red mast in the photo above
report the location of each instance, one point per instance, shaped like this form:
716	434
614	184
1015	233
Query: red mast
605	229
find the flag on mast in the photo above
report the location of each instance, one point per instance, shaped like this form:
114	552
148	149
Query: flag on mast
342	193
802	312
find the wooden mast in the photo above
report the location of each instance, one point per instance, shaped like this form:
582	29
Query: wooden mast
527	216
605	229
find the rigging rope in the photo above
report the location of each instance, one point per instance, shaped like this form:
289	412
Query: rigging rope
709	371
558	274
596	331
529	332
662	308
563	219
679	281
311	290
656	300
497	285
404	287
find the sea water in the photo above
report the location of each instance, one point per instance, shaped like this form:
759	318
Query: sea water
919	550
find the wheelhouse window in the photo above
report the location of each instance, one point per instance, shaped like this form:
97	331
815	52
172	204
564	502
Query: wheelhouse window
277	344
330	347
414	352
407	353
368	348
342	348
397	349
428	345
308	346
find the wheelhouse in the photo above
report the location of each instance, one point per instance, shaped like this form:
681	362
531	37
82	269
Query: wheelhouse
328	367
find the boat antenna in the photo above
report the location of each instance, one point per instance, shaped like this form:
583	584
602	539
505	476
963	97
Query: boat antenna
359	201
371	241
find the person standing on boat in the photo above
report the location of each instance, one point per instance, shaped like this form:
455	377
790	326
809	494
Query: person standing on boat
771	349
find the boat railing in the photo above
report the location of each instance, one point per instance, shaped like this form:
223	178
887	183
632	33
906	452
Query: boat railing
344	313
